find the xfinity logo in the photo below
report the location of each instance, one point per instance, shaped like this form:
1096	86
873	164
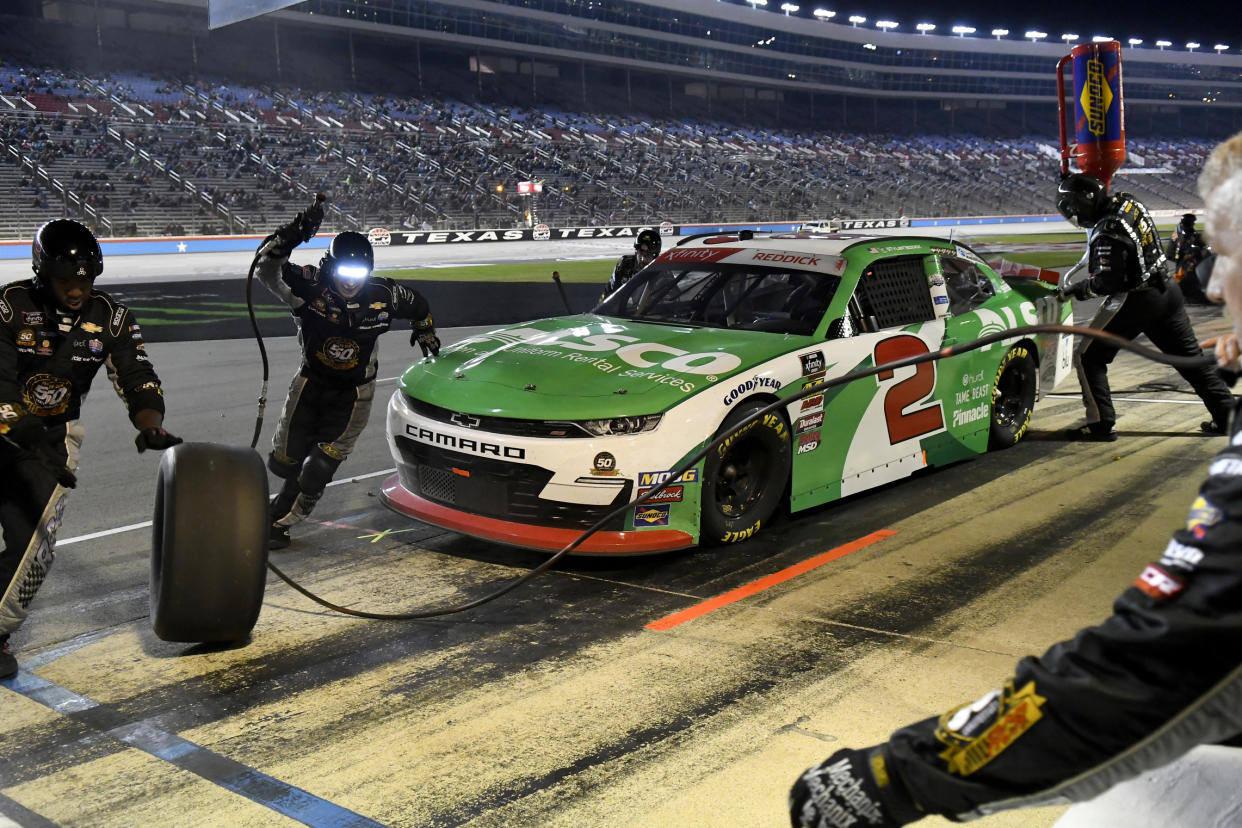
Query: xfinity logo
464	420
466	444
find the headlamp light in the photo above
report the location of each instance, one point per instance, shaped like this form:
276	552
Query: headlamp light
621	425
352	272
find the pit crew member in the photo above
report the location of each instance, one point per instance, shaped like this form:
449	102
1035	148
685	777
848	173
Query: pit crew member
1126	265
56	331
646	248
1158	677
340	310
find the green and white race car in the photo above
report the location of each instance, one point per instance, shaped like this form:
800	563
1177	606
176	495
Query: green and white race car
529	434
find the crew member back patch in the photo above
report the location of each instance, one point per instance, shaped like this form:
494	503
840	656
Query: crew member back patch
1159	584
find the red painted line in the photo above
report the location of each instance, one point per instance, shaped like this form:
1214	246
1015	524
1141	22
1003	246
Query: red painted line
690	613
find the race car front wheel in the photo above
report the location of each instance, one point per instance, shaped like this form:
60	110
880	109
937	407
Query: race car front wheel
1013	397
745	476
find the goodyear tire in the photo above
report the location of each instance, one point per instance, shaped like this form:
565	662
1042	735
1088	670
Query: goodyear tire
744	478
209	543
1013	396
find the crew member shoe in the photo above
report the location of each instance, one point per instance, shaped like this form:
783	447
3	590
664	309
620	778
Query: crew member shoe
1093	432
1212	427
278	537
8	664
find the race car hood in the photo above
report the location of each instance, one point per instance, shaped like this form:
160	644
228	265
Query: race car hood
586	367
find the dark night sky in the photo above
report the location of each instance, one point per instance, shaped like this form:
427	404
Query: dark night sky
1207	23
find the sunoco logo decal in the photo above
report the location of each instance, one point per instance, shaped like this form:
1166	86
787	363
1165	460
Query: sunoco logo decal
1097	97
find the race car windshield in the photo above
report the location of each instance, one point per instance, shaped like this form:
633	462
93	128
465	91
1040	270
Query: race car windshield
737	297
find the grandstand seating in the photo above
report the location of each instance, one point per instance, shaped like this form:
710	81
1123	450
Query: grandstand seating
139	155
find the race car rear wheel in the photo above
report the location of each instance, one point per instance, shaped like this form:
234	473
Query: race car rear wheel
208	543
744	477
1013	396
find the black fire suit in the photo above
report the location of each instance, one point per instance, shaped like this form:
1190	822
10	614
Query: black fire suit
1127	266
48	359
1158	677
330	396
1186	251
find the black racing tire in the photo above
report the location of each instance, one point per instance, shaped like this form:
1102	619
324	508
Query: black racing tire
208	543
1013	396
745	478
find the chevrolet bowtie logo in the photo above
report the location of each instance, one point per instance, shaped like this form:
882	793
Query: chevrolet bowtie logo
464	420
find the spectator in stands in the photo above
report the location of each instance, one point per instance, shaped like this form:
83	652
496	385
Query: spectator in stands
341	310
1158	677
56	331
1125	264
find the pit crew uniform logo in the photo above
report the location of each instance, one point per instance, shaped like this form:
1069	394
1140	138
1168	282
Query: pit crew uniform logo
339	353
977	733
47	395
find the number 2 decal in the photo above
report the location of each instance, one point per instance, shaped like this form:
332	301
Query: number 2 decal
904	426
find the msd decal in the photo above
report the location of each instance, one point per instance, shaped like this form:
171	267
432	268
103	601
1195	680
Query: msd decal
808	442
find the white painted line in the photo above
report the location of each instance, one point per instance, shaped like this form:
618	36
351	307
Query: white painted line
1129	399
146	524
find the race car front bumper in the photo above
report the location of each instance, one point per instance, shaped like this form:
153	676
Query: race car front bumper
527	536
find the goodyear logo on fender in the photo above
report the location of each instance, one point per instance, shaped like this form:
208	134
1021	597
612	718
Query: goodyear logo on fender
1096	98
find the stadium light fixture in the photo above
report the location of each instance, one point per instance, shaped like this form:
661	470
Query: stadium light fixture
870	46
1163	43
999	33
1220	47
924	28
856	19
757	2
1069	37
1136	41
962	31
789	8
1035	35
1102	38
1192	45
824	14
886	25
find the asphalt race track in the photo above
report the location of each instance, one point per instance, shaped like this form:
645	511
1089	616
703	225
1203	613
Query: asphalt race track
558	705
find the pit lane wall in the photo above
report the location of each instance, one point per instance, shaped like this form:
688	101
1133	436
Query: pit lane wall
383	237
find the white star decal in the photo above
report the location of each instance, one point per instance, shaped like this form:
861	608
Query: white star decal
180	247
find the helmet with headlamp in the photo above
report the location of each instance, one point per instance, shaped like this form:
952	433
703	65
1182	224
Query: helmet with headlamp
65	250
348	262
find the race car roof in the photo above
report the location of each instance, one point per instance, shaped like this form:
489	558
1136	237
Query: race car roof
805	251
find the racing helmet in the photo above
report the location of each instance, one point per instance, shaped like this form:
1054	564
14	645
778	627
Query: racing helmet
648	243
348	262
64	249
1187	223
1081	199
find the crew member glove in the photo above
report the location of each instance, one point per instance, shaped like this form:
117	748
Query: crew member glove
424	336
302	229
1080	290
852	787
155	438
